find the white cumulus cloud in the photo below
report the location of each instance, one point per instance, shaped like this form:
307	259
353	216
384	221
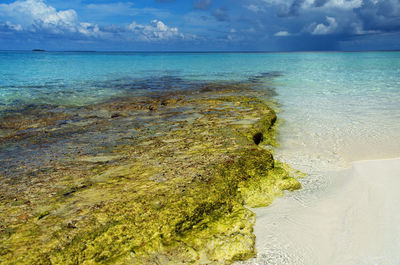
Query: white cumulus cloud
344	4
324	29
282	34
156	30
13	26
31	12
36	15
254	8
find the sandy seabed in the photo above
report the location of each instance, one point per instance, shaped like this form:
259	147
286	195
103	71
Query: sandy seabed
353	220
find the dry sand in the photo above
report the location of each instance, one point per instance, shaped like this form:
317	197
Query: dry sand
354	219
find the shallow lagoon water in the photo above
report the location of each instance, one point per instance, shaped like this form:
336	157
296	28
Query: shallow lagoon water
337	108
343	106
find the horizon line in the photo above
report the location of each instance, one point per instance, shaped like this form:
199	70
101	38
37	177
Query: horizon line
211	51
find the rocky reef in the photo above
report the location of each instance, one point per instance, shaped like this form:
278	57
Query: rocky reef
155	178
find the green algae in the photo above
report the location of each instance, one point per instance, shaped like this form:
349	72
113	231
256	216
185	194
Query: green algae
173	191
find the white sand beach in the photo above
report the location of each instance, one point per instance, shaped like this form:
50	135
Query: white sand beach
354	220
344	133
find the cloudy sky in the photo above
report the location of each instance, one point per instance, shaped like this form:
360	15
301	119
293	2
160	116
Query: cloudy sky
200	25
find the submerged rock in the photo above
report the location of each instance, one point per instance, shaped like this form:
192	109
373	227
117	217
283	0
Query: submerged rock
170	185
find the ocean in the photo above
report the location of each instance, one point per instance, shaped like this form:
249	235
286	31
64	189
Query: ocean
335	109
342	106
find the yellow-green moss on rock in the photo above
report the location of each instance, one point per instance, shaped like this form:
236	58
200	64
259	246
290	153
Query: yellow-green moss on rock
173	191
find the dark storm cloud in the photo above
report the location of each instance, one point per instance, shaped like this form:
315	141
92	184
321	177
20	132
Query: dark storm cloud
319	3
310	43
293	9
352	17
380	16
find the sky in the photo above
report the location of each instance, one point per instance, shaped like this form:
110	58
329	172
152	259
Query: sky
200	25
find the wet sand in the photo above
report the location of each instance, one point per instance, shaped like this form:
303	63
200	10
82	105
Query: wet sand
353	220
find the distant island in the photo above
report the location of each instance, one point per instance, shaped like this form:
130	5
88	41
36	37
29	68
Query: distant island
38	50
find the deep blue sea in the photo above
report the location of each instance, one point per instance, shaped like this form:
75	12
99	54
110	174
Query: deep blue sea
337	107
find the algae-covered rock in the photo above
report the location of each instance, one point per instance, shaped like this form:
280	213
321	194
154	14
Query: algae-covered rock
165	181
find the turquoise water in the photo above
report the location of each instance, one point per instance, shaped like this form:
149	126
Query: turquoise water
342	106
336	108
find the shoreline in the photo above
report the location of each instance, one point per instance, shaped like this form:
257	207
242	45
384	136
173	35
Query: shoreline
353	221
